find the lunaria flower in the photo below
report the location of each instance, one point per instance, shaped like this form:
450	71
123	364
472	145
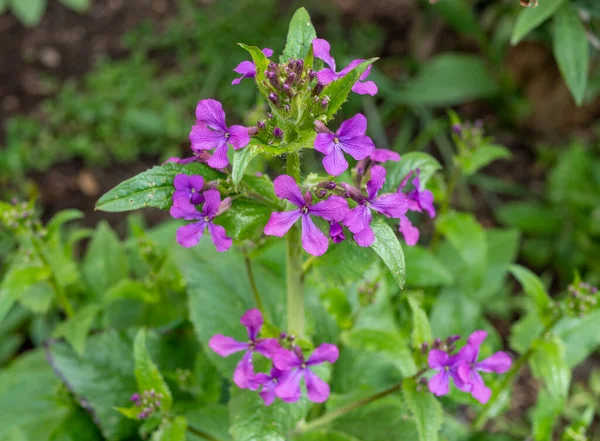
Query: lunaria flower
189	186
469	370
243	376
336	232
296	368
447	367
247	68
350	138
189	235
419	200
268	383
358	220
384	155
211	132
313	240
321	49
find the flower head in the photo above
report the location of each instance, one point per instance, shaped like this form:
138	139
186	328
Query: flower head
446	366
189	186
296	368
211	132
358	220
321	49
189	235
244	376
247	68
350	138
268	383
313	240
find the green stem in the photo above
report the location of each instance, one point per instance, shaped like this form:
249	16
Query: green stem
202	434
294	272
252	280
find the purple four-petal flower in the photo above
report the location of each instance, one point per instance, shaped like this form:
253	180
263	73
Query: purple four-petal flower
247	68
268	383
447	367
314	241
189	186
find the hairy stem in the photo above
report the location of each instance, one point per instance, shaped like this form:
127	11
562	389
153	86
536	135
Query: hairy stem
255	292
201	434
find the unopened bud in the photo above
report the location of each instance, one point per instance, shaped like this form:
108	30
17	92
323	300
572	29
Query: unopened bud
273	98
320	127
424	348
318	89
327	185
277	132
457	129
437	343
290	78
252	131
287	108
224	206
261	125
452	339
320	193
283	336
312	75
353	192
324	103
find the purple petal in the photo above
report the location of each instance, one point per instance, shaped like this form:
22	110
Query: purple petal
459	383
365	238
285	360
219	158
314	241
286	188
353	127
243	376
465	355
327	76
225	346
384	155
438	384
268	347
211	206
212	114
426	202
475	340
288	387
499	362
392	205
437	359
366	73
219	237
182	182
359	147
327	352
253	321
358	218
196	182
321	49
246	68
324	143
334	163
238	137
268	52
365	87
318	390
410	232
267	393
280	223
333	209
237	81
203	138
336	232
183	209
479	390
351	66
189	235
377	180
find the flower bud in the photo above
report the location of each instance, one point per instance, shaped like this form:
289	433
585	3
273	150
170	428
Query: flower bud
320	193
283	336
452	339
286	108
318	89
320	127
287	89
324	103
277	132
224	206
327	185
424	348
353	192
273	98
290	78
312	75
457	129
261	125
270	115
437	343
252	131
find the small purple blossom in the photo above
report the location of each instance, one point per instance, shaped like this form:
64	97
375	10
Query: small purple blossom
211	132
419	200
314	241
468	371
447	366
350	138
268	383
321	49
189	186
358	220
336	232
384	155
295	368
247	68
244	376
189	235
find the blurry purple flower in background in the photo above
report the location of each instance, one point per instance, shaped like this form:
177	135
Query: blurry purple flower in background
384	155
189	186
419	200
247	68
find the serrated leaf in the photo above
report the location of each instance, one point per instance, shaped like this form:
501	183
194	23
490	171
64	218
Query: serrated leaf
388	247
533	287
77	327
482	156
241	160
152	188
396	171
425	409
571	50
339	90
421	332
531	18
174	430
301	33
147	375
28	12
80	6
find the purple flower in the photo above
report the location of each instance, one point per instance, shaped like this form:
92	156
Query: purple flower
243	376
189	235
447	366
190	187
296	368
358	220
321	50
419	200
268	383
336	232
469	371
384	155
248	69
211	132
350	138
313	240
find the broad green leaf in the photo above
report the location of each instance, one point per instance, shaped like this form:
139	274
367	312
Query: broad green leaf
423	269
76	328
548	364
245	219
397	171
324	436
80	6
105	263
342	264
16	281
425	408
131	289
454	313
421	332
388	247
77	426
482	156
174	430
459	14
38	298
335	301
9	346
339	90
28	12
531	18
131	412
446	80
241	159
62	218
530	217
213	420
571	50
580	335
545	415
147	375
152	188
533	287
300	36
525	331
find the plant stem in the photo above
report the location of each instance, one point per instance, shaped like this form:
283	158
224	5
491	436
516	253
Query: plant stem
294	272
201	433
255	292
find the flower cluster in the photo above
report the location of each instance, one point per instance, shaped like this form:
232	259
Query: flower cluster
463	367
289	366
148	402
582	297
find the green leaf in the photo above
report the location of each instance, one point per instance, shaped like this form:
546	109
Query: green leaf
335	302
129	412
241	160
459	14
213	420
388	247
260	61
300	36
397	171
339	90
531	217
446	80
105	263
545	415
342	264
423	269
76	328
533	287
245	219
38	298
28	12
482	156
61	218
421	332
171	430
152	188
571	50
324	436
580	335
548	365
531	18
147	375
15	283
425	408
80	6
131	289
